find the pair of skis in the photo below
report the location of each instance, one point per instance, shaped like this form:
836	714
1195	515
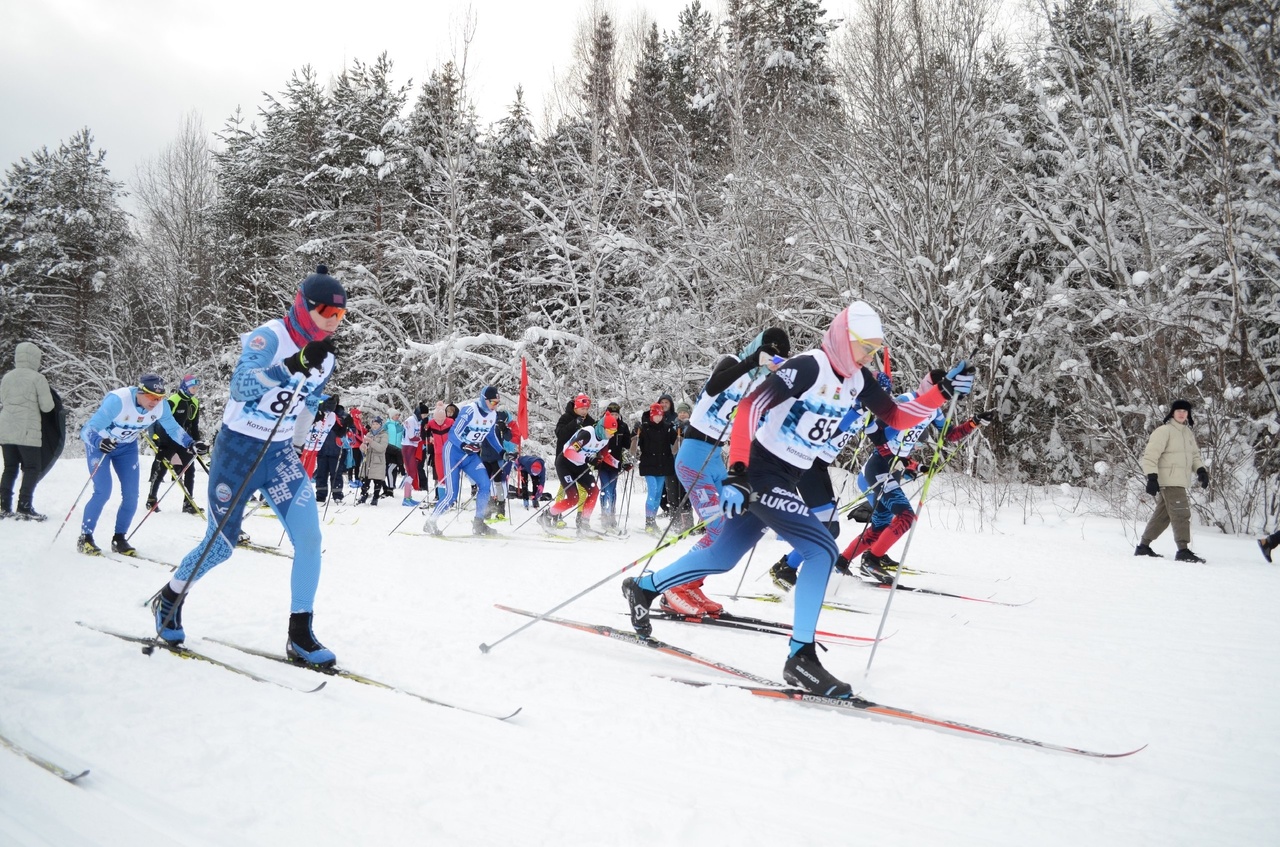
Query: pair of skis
184	652
763	687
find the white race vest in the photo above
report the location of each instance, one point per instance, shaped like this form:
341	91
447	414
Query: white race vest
797	431
256	418
129	423
712	412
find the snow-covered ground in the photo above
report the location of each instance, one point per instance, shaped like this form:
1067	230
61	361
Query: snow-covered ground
1113	653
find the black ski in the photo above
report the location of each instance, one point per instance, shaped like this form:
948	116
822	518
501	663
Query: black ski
639	641
183	652
858	705
731	621
355	677
52	767
875	583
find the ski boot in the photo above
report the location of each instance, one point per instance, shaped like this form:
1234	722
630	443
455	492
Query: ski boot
783	575
188	509
479	527
1185	555
85	545
651	526
842	565
430	528
303	647
803	670
585	530
639	600
152	505
550	522
167	609
872	568
677	601
121	545
709	606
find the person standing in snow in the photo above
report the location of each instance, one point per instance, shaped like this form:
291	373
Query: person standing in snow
409	449
779	428
474	425
111	438
184	405
373	469
652	443
610	470
24	396
1170	460
435	431
283	367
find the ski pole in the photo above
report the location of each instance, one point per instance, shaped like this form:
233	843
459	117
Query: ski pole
548	504
101	461
156	505
461	506
934	466
411	511
226	515
485	648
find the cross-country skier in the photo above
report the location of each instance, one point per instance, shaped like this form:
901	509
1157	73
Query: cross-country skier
889	465
283	366
577	484
111	437
473	426
699	462
184	405
778	430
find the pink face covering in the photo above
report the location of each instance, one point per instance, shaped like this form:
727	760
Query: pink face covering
438	414
857	319
300	325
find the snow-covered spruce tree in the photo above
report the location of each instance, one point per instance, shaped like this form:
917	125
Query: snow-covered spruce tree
361	173
62	234
267	207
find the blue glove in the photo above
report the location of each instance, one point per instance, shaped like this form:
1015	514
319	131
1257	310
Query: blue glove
735	491
959	379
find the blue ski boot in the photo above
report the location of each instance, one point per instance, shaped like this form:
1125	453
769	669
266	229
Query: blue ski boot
167	608
303	646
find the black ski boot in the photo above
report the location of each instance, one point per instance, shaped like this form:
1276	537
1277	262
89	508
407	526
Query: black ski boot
85	545
803	670
1185	555
187	508
871	567
303	646
152	506
120	545
26	512
784	576
639	600
479	527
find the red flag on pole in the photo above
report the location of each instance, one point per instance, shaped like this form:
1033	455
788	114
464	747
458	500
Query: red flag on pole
521	430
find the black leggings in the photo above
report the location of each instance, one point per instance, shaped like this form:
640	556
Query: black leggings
27	458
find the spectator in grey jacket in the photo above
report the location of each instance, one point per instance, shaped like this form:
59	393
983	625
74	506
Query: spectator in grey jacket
1170	460
24	395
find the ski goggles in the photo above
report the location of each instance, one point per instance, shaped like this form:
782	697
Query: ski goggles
327	311
870	348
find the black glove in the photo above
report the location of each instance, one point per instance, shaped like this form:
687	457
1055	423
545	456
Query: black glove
106	445
201	448
311	356
1153	484
735	491
627	466
1203	476
984	418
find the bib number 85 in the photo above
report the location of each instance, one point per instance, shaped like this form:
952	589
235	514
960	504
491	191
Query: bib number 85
821	429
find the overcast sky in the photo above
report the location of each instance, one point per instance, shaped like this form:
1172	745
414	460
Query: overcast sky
130	69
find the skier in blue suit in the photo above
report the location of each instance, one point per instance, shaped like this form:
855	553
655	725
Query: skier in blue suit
474	425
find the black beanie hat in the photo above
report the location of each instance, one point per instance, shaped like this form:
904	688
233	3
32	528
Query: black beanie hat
1180	404
774	338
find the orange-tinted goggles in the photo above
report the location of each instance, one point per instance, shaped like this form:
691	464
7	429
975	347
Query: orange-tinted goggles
327	311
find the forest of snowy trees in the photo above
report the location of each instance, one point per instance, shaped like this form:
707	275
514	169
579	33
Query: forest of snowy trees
1093	215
